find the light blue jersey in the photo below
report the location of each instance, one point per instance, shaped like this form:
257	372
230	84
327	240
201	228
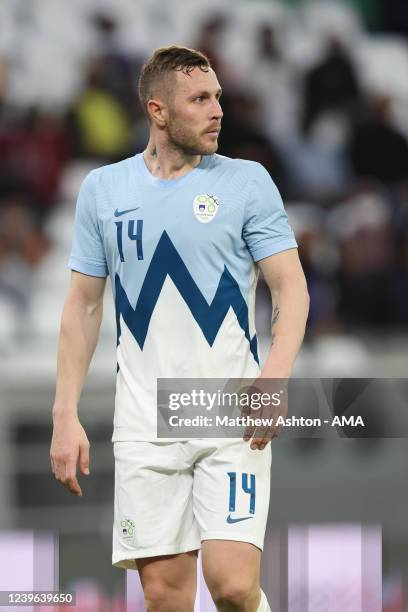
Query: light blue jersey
181	254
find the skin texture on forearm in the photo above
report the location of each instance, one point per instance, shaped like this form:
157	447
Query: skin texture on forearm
80	325
291	306
290	301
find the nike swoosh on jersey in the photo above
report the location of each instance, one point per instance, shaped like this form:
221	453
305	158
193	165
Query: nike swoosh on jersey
237	520
119	213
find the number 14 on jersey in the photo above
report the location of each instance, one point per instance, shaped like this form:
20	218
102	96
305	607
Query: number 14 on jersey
138	236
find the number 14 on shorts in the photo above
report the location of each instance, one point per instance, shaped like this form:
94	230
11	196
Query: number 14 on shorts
248	487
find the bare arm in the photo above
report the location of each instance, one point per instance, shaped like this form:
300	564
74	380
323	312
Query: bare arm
80	324
284	276
290	299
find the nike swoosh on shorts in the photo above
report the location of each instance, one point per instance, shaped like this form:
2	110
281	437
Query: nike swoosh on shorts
119	213
236	520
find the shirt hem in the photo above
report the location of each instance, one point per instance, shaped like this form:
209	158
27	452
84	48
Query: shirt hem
86	268
272	249
127	560
235	537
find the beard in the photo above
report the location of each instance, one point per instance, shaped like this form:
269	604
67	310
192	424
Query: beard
187	139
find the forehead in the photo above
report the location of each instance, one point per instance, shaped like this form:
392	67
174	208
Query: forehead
197	79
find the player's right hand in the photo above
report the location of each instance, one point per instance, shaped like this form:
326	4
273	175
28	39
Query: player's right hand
69	448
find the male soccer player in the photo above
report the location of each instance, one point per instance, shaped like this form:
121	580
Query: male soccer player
179	229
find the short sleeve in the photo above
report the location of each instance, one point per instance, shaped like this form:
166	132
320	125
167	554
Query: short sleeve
266	228
87	253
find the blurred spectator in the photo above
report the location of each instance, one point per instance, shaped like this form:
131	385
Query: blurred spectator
99	125
23	245
209	41
320	259
119	71
376	148
363	227
242	135
317	159
318	166
331	85
102	118
275	82
34	148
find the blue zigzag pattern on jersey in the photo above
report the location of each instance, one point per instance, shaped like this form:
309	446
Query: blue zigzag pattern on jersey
167	261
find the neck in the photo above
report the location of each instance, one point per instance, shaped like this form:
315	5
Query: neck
168	162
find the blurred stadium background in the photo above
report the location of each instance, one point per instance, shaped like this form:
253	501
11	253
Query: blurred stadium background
315	90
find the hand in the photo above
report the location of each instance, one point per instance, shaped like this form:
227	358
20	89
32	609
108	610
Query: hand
268	401
69	446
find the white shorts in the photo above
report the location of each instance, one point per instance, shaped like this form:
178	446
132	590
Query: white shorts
169	496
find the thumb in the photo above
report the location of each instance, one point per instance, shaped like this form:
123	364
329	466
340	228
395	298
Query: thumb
84	460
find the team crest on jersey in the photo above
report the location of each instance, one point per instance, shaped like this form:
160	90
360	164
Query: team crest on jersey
205	207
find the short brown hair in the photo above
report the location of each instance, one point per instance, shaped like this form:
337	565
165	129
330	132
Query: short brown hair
163	62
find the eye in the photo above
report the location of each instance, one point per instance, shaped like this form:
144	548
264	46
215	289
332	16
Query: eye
199	98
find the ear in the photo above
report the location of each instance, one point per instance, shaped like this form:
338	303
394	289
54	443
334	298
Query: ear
157	112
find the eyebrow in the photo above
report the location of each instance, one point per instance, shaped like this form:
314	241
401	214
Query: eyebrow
196	94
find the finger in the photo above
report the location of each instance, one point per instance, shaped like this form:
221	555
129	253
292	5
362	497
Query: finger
263	445
256	441
70	479
84	459
72	485
59	466
263	436
272	433
248	433
69	483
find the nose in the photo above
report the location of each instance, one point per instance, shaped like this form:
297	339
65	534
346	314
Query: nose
216	111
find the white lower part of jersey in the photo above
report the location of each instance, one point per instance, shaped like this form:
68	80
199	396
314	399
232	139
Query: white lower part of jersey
136	400
169	497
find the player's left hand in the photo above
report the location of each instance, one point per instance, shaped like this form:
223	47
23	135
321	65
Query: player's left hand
269	401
